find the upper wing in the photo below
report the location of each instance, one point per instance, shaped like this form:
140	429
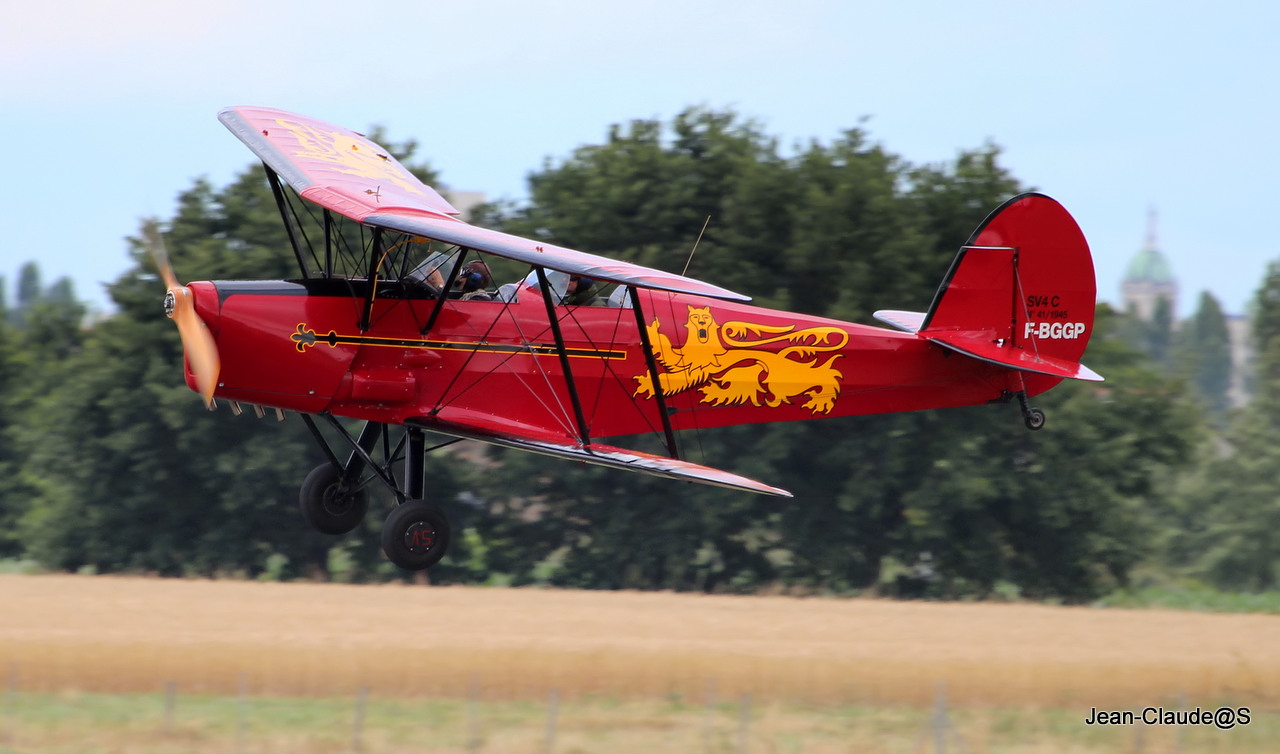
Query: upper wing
342	171
331	166
544	254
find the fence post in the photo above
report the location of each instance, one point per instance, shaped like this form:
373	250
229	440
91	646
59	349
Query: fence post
941	724
552	712
10	705
242	712
940	720
744	724
357	727
170	702
473	714
708	718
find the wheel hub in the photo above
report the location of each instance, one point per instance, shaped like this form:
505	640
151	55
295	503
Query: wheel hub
420	536
338	501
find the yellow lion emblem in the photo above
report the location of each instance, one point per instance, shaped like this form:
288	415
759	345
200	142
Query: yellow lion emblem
724	363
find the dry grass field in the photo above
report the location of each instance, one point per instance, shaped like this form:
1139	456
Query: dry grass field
126	635
259	667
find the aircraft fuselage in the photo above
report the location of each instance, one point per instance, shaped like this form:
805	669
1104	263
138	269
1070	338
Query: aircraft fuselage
299	345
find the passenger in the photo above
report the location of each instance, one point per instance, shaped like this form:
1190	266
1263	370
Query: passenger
430	271
559	282
581	292
568	290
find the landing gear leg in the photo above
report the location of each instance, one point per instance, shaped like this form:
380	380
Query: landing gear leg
416	534
415	462
332	498
1032	417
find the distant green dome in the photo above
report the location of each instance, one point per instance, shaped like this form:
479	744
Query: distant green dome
1149	266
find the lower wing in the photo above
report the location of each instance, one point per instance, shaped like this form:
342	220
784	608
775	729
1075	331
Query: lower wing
603	455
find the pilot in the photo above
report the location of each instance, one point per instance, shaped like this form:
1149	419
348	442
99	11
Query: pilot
473	281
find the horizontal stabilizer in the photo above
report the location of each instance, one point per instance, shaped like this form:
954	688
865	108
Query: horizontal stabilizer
905	321
982	347
604	455
1004	354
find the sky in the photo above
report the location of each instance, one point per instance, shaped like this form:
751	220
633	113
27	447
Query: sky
1114	108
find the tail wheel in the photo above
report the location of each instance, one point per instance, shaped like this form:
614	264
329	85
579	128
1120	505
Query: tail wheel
415	535
329	505
1034	419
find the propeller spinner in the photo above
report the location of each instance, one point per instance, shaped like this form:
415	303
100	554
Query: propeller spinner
197	342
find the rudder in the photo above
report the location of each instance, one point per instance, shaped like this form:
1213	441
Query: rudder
1021	293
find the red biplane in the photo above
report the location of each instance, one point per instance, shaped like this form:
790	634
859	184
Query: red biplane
395	320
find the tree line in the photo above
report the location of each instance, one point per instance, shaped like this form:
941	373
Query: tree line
109	464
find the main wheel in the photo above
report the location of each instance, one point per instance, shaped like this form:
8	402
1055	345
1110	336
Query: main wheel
328	505
415	535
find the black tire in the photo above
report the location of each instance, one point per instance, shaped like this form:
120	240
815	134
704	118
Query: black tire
327	505
1034	419
415	535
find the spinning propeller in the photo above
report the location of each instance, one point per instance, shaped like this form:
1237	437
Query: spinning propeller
179	306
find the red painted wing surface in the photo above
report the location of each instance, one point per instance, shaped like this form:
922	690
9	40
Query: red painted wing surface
342	171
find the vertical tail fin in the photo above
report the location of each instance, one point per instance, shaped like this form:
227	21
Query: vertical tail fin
1021	293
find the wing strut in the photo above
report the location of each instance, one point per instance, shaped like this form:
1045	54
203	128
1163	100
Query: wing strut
584	436
361	457
328	244
278	192
444	292
672	451
375	262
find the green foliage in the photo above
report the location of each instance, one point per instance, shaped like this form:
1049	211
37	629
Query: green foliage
1231	510
1197	597
944	504
1231	506
37	338
1201	354
112	464
29	286
11	460
155	482
1223	518
1153	337
1266	323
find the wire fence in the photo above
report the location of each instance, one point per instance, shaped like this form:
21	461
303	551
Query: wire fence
365	722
